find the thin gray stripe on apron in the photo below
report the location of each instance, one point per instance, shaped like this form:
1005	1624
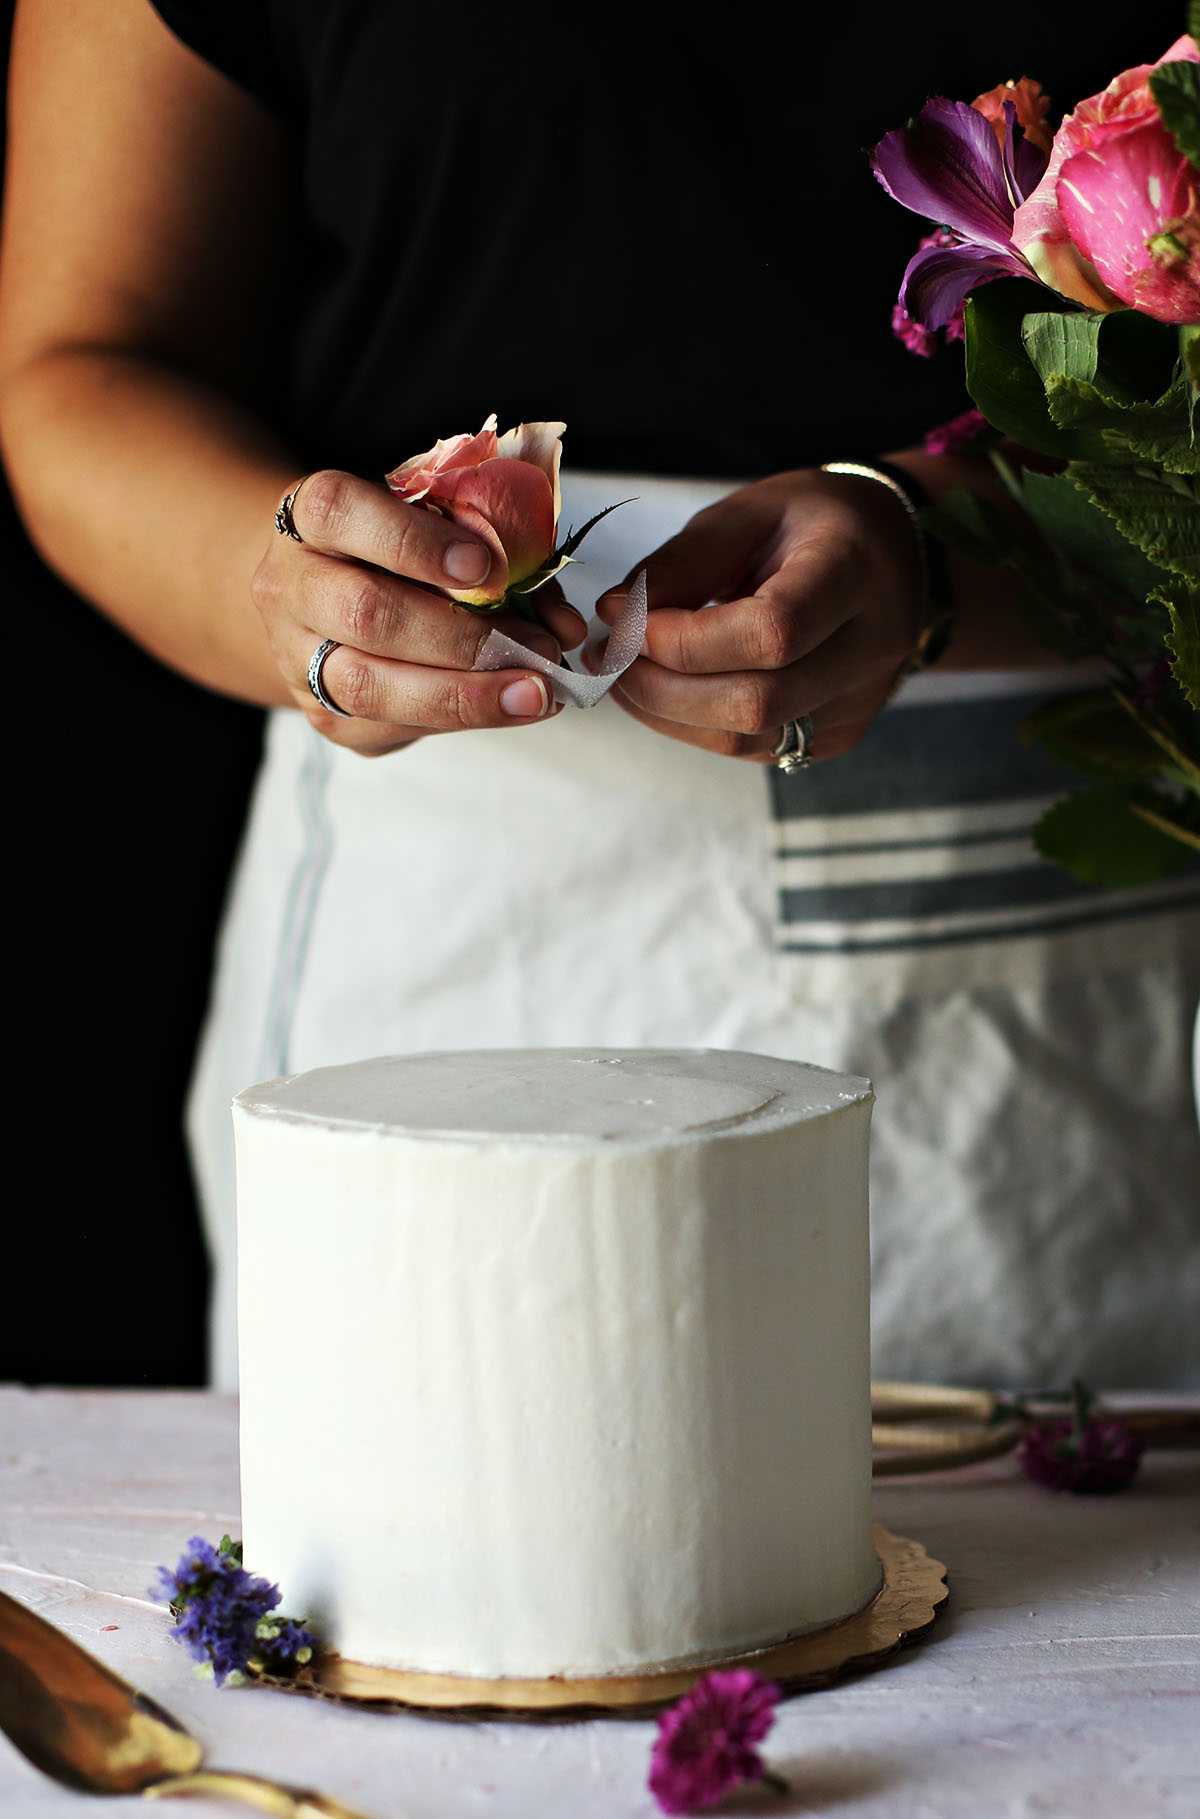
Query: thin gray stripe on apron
915	898
299	908
1104	910
988	838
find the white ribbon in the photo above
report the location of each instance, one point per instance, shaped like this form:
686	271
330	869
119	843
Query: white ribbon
624	643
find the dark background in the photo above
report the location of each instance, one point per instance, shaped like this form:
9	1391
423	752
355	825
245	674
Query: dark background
127	793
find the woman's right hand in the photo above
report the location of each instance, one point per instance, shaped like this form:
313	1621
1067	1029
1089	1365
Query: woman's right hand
369	573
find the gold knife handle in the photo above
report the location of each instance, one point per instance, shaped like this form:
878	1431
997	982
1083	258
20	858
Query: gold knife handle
252	1790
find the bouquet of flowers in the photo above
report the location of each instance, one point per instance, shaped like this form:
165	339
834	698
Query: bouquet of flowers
1069	266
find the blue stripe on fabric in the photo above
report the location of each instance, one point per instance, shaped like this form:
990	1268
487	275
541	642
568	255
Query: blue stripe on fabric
300	907
943	896
1109	909
943	755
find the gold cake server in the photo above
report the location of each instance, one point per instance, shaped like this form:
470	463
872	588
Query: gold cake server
87	1728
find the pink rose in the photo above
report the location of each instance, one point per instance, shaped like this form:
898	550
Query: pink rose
503	488
1118	210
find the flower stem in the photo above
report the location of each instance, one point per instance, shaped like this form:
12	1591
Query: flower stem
775	1782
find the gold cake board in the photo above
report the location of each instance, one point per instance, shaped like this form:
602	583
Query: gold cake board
904	1608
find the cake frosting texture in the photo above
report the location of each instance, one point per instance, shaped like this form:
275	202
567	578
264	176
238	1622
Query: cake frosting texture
556	1361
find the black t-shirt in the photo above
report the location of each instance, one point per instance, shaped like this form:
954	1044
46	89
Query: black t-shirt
656	223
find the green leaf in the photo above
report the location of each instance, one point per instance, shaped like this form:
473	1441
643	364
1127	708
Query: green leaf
1062	345
1097	835
1189	348
1176	89
1004	382
1072	521
1193	18
1160	513
1183	639
1134	430
1093	732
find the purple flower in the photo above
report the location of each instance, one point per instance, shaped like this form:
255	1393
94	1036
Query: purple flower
916	337
959	433
1103	1457
950	165
705	1742
221	1612
1080	1451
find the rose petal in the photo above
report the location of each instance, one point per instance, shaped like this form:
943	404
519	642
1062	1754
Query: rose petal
413	478
1127	206
511	500
1040	234
541	444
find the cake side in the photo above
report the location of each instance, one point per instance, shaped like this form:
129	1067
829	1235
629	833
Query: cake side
559	1410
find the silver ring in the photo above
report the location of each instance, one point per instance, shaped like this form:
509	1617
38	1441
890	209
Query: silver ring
285	524
316	664
792	750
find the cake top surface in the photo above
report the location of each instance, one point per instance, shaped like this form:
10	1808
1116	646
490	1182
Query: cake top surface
565	1095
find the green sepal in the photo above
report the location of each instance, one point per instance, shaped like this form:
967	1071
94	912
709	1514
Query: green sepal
563	554
1176	89
1102	836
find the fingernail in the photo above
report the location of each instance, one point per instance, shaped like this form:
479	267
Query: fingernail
467	561
543	643
525	700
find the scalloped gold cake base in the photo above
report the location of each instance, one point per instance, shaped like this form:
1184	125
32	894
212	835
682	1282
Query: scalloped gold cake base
904	1608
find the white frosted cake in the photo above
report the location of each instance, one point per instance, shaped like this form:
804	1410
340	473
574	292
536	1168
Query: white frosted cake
555	1361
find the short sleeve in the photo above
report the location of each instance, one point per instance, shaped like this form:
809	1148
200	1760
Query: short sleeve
236	37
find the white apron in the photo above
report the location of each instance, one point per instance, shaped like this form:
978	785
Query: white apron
1035	1171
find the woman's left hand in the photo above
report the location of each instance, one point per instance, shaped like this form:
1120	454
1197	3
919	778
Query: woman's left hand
816	581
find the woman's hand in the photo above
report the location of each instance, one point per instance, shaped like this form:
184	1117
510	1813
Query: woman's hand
368	573
817	584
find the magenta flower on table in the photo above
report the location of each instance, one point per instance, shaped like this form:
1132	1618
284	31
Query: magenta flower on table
1119	193
706	1741
1098	1458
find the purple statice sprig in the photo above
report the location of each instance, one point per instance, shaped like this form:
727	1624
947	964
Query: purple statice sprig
1084	1452
223	1614
706	1741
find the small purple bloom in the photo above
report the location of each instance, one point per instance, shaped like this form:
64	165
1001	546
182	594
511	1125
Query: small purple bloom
949	165
1100	1456
222	1612
705	1743
916	338
950	438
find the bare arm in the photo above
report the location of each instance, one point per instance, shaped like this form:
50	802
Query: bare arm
135	298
